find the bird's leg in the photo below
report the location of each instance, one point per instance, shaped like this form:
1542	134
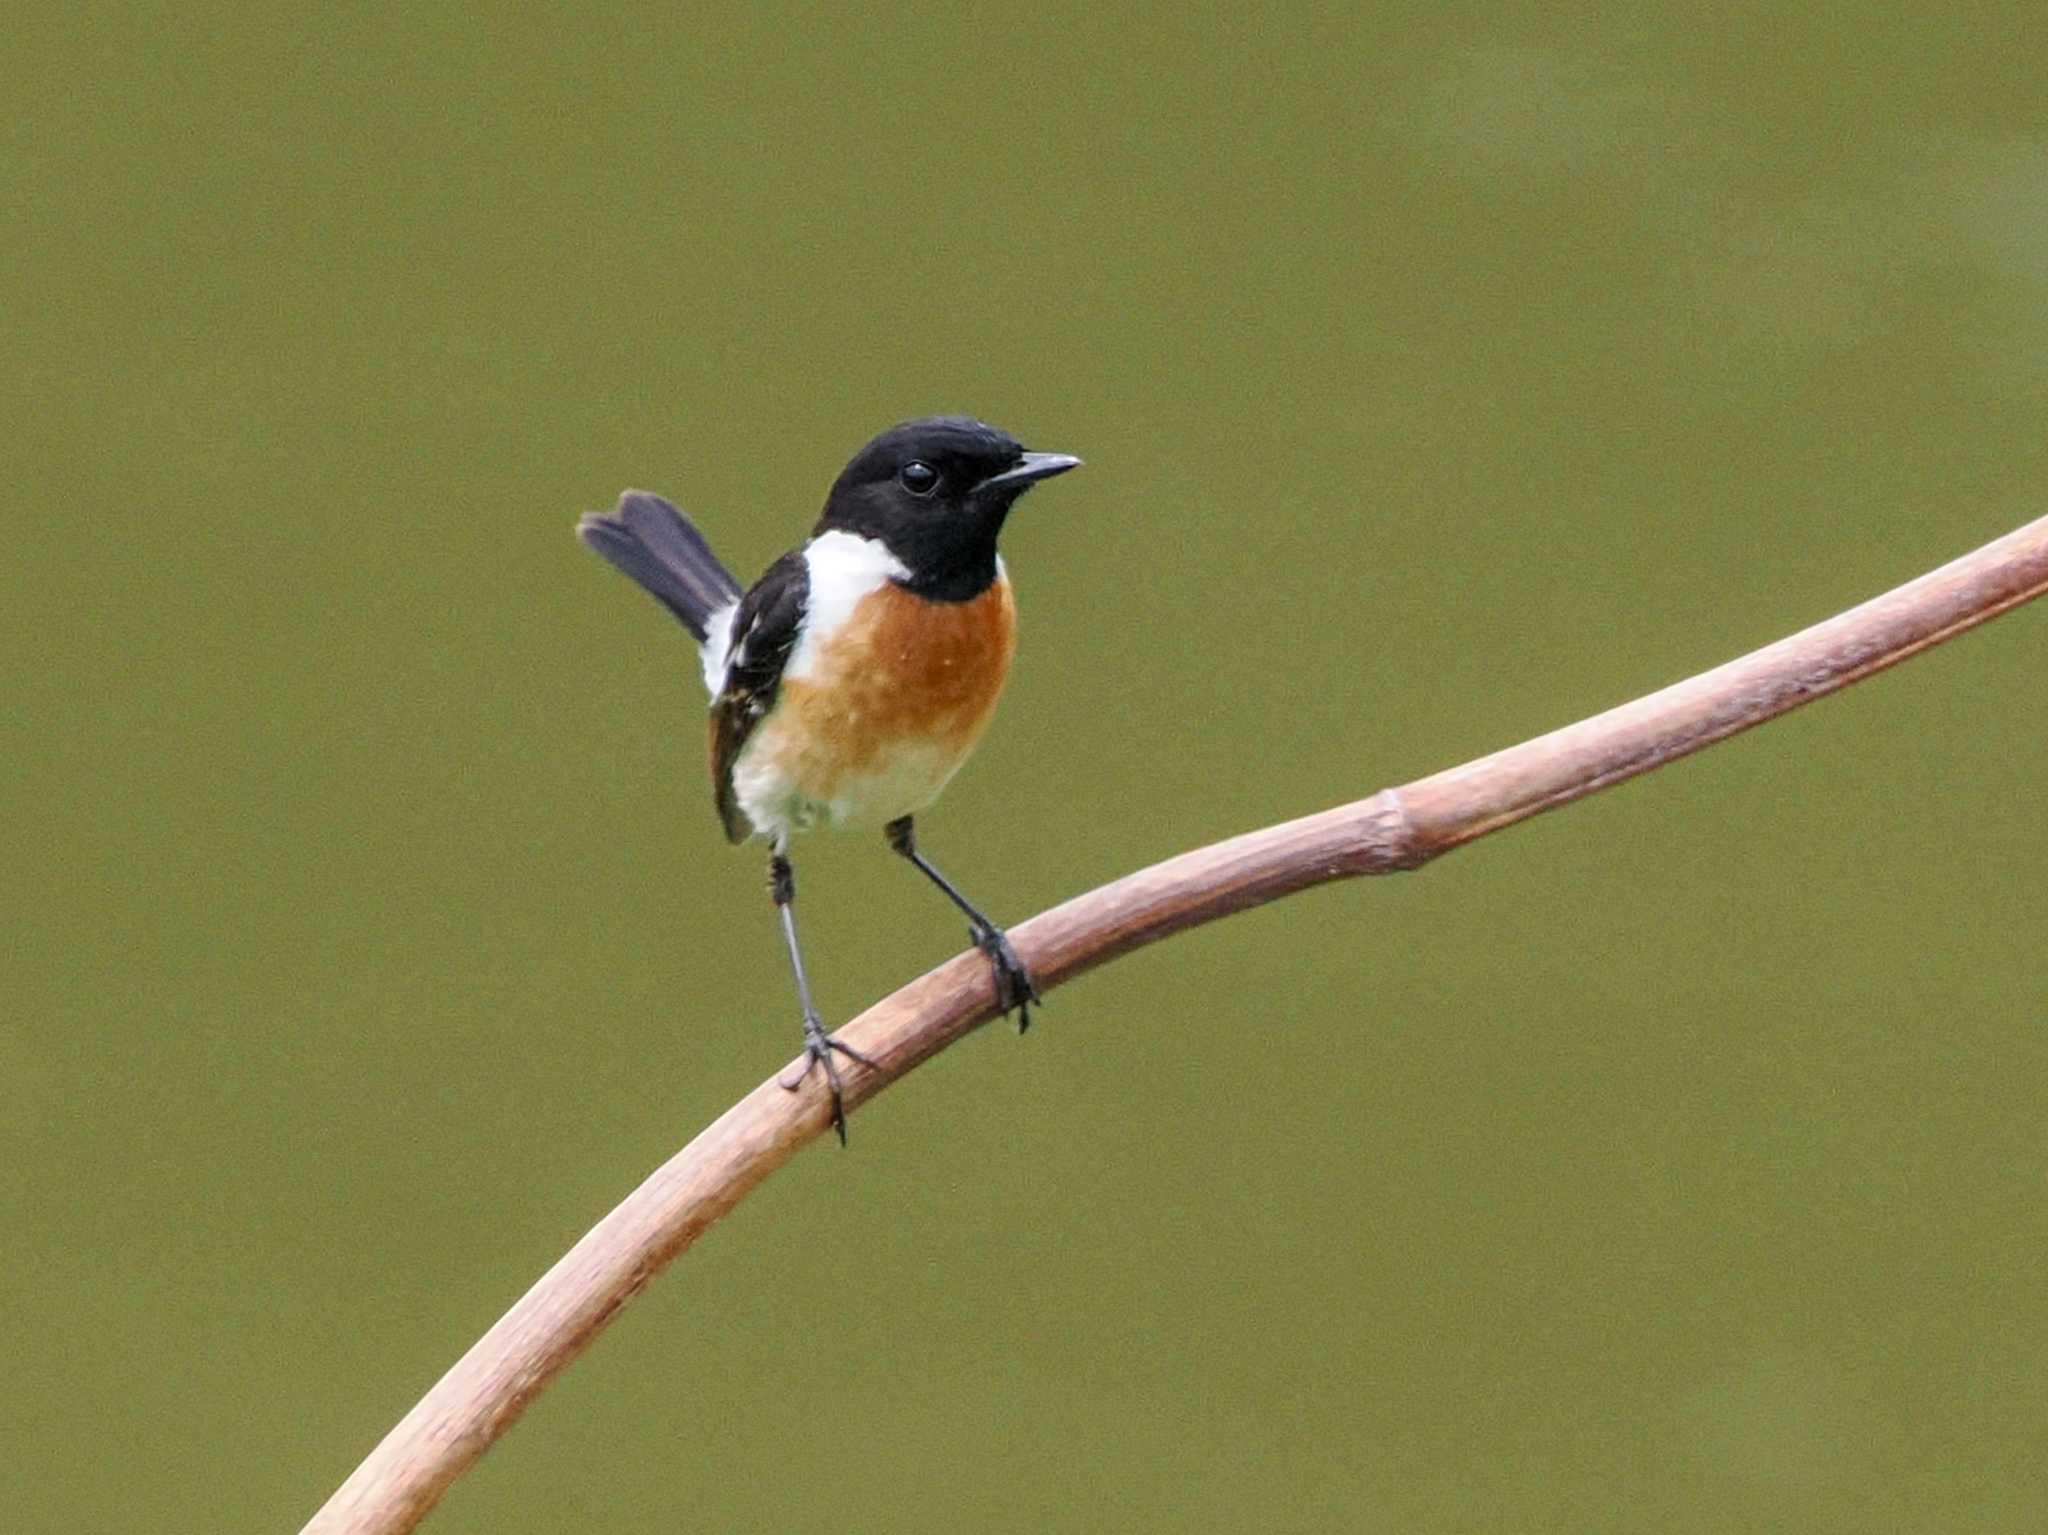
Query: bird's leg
1014	987
818	1045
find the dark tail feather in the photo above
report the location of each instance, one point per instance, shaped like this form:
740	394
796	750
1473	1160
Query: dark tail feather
655	544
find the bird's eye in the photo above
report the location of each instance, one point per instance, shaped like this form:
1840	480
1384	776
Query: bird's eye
918	477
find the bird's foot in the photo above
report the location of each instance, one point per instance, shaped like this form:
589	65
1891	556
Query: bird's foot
1014	987
818	1050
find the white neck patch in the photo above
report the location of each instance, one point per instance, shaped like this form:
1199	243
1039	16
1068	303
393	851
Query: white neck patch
843	568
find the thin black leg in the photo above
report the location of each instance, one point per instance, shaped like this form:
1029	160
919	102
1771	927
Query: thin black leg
1014	987
818	1045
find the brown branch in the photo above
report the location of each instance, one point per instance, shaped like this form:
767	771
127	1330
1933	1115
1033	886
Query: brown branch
1394	829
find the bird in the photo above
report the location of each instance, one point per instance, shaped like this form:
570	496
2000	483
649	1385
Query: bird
852	680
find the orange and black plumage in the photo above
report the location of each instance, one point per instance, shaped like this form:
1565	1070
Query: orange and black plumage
854	678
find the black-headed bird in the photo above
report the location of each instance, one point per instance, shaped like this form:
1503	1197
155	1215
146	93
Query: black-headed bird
851	681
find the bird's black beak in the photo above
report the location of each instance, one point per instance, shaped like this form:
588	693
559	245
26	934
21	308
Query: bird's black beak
1029	470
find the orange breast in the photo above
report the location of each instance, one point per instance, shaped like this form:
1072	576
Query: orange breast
892	703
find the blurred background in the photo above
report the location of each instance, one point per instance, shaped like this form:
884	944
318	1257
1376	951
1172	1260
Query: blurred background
1675	1162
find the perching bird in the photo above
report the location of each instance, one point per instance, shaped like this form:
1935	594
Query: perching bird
851	681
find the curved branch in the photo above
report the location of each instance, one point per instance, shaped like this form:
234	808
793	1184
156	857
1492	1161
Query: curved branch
1395	829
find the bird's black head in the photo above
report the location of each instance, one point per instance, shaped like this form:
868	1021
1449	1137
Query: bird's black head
936	492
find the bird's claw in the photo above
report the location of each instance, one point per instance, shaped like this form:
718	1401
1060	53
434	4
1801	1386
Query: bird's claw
1014	987
818	1050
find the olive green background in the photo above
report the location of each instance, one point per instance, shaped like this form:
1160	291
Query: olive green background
1444	373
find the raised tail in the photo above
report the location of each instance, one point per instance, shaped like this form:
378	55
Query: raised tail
655	544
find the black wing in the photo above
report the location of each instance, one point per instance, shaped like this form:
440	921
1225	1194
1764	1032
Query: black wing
764	632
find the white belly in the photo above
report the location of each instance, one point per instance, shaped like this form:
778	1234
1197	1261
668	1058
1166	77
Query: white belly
781	797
